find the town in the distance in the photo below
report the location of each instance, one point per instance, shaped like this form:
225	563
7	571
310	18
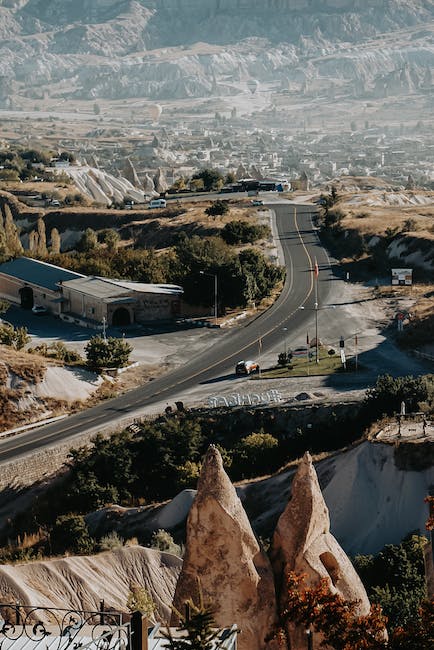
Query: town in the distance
216	325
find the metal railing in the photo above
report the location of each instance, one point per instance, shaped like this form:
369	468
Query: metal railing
58	629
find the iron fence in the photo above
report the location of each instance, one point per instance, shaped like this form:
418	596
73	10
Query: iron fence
26	627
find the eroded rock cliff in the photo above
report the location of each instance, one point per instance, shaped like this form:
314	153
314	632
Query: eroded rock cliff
224	561
303	543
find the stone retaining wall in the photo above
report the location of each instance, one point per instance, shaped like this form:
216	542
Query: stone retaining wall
39	465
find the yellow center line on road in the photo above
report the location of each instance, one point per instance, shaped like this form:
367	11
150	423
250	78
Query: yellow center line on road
199	372
272	329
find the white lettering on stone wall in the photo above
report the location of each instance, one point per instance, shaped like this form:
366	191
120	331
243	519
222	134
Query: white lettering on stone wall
246	399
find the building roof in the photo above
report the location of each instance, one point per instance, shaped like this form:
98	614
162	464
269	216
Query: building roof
38	273
142	287
110	290
96	287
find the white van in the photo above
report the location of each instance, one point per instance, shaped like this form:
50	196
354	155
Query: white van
157	203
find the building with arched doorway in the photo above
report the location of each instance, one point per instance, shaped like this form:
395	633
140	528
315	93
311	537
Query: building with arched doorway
87	300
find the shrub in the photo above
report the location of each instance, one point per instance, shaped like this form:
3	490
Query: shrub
241	232
139	600
107	353
111	541
255	454
70	533
14	337
163	541
217	208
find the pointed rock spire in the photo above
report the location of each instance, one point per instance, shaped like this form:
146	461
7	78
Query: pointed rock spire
225	562
303	543
130	174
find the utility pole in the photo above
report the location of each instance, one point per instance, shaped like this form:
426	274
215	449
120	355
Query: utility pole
357	354
215	299
285	329
316	274
104	322
215	293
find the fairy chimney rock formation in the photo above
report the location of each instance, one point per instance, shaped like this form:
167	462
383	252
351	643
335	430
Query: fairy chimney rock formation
148	185
160	181
303	543
225	562
130	174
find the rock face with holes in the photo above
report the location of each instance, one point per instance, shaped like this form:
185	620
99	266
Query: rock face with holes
303	543
224	561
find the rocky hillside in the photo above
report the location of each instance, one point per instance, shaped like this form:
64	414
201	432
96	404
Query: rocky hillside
373	496
113	48
81	582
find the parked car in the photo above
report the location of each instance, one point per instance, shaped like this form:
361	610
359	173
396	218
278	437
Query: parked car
39	310
257	202
246	367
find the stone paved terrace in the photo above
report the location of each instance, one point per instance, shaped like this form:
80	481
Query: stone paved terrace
407	429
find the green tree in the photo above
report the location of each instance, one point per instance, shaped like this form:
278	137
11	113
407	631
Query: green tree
217	208
107	353
111	240
388	393
70	533
255	454
241	232
212	179
230	178
395	579
88	241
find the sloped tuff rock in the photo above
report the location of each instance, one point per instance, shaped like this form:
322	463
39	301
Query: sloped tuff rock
302	543
224	561
82	582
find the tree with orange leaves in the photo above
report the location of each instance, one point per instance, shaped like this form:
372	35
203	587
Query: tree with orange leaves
430	522
332	616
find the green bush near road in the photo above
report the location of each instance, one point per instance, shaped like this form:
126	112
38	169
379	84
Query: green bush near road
240	232
107	353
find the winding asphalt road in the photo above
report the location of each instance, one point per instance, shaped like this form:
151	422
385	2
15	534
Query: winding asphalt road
300	247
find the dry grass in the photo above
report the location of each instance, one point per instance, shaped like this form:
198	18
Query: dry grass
374	220
30	367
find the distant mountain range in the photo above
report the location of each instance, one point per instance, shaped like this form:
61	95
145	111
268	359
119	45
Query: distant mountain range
113	48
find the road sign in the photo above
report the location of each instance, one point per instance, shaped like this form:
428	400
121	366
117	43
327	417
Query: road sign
402	277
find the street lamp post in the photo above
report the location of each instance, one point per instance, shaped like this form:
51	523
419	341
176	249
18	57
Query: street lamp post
285	330
316	274
213	275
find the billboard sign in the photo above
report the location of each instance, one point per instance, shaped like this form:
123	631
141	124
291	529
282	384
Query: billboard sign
402	277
